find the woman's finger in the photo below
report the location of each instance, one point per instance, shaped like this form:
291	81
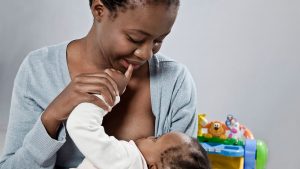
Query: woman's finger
113	84
98	88
91	98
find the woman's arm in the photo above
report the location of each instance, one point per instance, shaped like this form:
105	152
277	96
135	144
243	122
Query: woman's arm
27	144
184	103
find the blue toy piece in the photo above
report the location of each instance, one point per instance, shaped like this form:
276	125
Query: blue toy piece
222	149
250	152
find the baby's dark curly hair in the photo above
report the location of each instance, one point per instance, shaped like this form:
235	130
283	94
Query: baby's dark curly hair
113	5
186	156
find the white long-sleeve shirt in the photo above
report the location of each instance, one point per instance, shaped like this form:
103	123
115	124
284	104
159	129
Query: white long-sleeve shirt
100	150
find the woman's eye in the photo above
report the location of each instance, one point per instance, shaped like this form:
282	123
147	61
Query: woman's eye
135	40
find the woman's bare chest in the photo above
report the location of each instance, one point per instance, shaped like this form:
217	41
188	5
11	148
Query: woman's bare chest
132	118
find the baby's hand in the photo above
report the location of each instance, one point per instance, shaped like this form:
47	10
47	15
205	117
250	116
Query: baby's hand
120	78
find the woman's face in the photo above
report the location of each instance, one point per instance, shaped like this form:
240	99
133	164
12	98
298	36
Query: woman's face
134	35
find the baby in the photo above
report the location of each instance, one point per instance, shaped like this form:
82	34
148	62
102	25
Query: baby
173	150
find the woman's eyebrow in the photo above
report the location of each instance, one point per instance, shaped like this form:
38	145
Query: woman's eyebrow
141	32
146	33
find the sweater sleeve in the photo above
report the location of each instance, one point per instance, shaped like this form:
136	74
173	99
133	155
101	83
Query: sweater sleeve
184	102
27	143
103	151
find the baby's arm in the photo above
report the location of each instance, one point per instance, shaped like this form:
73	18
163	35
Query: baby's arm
103	151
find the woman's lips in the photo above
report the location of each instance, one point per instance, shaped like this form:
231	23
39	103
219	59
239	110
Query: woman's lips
126	64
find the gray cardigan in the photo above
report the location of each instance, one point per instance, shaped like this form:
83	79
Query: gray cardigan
44	74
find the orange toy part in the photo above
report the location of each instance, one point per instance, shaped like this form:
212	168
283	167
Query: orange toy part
248	134
216	129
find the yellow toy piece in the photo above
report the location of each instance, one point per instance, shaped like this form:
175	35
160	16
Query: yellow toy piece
201	123
224	162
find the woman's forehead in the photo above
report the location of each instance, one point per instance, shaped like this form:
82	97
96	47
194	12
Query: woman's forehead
154	20
156	2
133	4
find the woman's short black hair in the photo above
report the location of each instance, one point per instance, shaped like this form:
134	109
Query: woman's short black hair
113	5
187	156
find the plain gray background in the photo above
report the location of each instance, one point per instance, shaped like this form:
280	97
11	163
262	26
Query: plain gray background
243	54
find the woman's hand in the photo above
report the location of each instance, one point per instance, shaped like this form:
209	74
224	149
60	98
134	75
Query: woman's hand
81	89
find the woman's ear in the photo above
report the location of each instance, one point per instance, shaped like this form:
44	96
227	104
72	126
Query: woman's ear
97	9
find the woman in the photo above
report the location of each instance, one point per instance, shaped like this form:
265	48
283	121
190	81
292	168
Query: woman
160	97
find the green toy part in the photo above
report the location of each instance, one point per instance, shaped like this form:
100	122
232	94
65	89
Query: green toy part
261	154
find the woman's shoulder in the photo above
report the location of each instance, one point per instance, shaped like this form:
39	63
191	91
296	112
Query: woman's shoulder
44	63
47	54
43	71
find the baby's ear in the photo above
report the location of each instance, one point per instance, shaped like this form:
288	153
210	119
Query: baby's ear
153	166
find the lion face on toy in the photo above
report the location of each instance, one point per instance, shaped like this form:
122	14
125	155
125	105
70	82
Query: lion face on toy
216	129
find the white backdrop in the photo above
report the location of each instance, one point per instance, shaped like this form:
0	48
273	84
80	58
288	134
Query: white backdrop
243	54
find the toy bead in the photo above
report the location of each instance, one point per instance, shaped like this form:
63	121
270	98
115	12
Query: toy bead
261	154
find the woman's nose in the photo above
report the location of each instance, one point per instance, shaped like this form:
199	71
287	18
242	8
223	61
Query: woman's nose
144	52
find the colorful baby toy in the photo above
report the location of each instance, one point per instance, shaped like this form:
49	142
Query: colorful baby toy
230	145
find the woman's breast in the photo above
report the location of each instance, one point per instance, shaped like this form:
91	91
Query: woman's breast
132	118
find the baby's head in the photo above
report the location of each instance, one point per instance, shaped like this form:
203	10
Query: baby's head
173	150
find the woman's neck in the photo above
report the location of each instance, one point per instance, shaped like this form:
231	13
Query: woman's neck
89	52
